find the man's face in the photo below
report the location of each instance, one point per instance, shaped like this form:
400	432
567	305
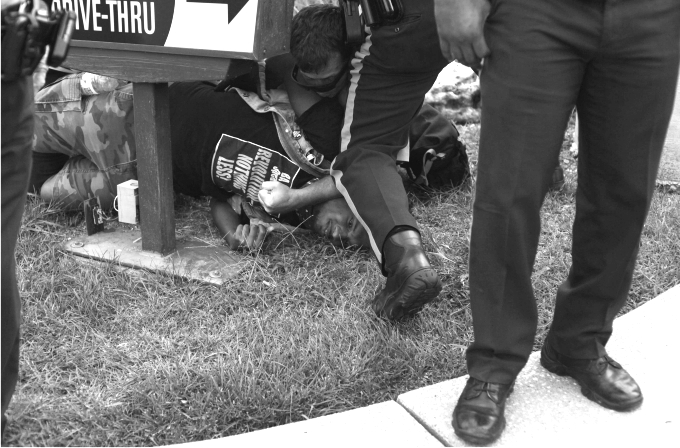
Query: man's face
335	221
327	81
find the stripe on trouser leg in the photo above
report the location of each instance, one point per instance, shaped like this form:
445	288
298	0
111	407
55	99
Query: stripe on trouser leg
357	65
355	74
404	154
337	175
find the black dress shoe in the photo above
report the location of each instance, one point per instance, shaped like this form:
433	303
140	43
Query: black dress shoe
479	416
411	281
557	179
602	380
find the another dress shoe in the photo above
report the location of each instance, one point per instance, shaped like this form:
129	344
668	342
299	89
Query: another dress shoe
557	179
411	281
479	416
602	380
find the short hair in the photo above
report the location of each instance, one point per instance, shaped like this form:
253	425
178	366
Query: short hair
317	32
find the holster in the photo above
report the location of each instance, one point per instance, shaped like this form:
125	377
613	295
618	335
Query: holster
20	51
26	34
374	13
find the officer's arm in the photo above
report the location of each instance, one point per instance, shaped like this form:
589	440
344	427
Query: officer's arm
277	198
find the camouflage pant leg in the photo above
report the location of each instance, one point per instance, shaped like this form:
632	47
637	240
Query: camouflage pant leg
97	128
78	180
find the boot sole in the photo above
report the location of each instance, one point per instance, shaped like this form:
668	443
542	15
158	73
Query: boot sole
419	289
560	369
481	441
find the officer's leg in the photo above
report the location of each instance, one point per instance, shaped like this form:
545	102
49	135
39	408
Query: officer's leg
391	73
366	170
529	85
624	109
17	135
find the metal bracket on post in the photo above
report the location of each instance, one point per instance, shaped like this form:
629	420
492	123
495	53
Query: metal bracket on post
154	166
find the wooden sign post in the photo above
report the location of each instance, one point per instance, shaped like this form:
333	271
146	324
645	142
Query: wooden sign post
152	43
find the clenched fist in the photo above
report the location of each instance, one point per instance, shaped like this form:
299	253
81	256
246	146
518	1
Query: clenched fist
276	198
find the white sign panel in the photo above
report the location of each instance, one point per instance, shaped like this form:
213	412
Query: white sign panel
222	25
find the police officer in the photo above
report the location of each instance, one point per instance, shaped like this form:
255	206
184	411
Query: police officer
17	133
612	59
398	61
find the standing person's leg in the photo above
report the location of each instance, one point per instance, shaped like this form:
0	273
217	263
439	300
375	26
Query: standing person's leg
624	109
396	66
529	83
17	136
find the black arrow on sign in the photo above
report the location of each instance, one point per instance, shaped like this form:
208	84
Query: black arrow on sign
235	6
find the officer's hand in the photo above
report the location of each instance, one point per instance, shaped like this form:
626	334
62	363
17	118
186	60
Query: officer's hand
249	237
276	198
460	24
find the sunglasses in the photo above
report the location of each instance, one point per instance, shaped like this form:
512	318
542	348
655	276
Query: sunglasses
320	88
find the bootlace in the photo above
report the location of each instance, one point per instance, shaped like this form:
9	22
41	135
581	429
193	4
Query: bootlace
602	363
480	388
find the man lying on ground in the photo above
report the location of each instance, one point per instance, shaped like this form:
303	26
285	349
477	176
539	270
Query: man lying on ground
224	145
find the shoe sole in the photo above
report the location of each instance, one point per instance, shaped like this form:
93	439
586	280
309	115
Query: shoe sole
483	441
561	370
417	291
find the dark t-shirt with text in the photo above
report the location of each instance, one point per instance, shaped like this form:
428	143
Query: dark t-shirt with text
221	147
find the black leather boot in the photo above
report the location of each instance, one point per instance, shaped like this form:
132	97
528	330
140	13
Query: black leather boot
411	281
602	380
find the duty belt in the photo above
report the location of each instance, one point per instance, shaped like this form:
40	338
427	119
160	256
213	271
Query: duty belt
374	13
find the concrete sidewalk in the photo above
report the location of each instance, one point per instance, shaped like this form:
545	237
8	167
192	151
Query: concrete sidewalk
544	410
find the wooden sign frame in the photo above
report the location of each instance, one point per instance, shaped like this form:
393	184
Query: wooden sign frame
152	64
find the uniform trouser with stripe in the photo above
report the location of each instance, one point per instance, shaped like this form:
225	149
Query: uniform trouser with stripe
617	61
392	72
17	136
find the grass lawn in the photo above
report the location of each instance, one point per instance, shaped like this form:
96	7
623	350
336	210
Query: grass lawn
128	358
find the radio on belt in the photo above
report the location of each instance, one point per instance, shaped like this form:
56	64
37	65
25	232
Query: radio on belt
128	202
